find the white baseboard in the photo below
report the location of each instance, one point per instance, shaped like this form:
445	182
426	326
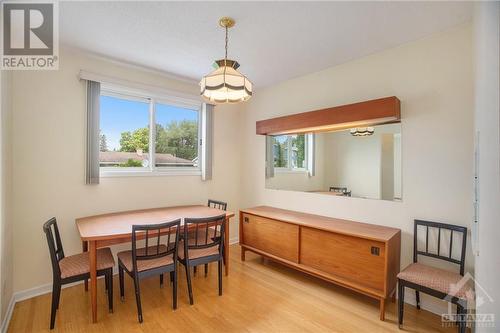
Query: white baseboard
8	315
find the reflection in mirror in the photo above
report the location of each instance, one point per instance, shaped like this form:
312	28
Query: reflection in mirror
362	162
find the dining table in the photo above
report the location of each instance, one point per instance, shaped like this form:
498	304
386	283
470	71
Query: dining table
114	228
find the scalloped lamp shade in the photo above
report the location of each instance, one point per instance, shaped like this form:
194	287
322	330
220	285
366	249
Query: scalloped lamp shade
225	84
362	131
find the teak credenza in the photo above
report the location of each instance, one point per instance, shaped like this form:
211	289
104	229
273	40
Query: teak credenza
359	256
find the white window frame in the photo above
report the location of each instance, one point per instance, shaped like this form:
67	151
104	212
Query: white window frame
153	98
289	169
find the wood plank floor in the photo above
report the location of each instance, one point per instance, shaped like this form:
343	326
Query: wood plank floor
258	296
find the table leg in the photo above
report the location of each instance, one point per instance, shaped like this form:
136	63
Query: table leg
85	248
93	279
226	247
382	309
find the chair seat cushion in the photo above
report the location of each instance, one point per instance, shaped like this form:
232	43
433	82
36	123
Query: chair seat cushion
197	253
79	263
125	258
437	279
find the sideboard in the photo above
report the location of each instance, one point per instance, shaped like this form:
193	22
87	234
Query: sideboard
360	256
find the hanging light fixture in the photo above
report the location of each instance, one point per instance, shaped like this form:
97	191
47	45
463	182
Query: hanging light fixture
362	131
225	84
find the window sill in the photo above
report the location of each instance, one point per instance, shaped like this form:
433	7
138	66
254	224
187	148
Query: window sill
278	170
159	173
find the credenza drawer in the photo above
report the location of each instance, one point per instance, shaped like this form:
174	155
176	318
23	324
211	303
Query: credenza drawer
343	256
274	237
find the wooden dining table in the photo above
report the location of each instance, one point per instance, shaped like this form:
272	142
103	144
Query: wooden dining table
114	228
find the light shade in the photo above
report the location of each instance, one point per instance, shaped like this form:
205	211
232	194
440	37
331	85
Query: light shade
362	131
225	84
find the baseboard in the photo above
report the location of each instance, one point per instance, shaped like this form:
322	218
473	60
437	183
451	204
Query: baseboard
8	315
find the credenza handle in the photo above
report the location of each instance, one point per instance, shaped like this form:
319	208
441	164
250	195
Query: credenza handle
246	220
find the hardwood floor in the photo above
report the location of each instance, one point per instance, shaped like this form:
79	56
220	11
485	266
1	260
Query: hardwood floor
258	296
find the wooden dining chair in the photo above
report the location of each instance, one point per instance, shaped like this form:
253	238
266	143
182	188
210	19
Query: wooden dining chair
435	281
155	258
217	205
75	267
202	244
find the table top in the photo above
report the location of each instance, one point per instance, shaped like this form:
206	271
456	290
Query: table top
346	227
119	224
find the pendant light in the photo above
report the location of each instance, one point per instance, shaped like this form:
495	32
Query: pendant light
362	131
225	84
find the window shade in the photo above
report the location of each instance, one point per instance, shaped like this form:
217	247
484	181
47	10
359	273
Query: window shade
207	114
311	154
269	157
92	149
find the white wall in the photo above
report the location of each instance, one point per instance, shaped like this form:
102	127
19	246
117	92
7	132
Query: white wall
487	122
353	162
6	266
433	78
49	159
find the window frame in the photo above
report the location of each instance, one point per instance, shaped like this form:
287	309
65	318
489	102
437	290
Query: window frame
290	169
154	98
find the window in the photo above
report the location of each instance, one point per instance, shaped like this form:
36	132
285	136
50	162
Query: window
126	137
290	152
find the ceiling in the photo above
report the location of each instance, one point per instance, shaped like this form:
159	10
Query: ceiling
273	41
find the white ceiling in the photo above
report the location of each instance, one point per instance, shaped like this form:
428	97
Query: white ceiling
273	41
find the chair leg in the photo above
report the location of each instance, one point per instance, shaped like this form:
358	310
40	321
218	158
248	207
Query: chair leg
417	297
122	287
401	299
174	292
194	270
56	292
219	264
206	270
161	280
462	323
190	290
172	276
106	283
138	298
110	290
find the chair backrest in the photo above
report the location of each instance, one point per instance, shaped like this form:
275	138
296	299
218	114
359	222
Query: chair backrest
437	254
217	204
204	232
55	245
338	189
152	234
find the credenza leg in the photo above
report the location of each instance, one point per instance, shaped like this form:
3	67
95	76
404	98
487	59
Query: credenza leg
242	254
382	309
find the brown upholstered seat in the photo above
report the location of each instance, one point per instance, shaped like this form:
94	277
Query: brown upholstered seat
435	278
143	265
197	253
79	263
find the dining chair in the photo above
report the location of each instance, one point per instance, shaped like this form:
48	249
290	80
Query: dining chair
218	205
203	246
433	281
337	189
155	258
75	267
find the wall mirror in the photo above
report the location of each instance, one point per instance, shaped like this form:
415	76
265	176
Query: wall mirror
362	162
